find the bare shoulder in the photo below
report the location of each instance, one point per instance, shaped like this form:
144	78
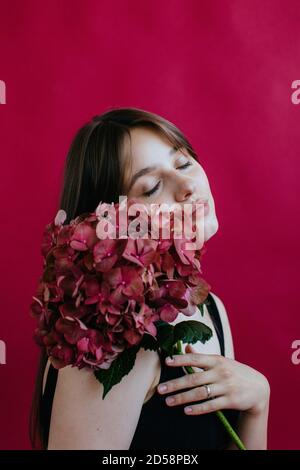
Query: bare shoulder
229	348
82	419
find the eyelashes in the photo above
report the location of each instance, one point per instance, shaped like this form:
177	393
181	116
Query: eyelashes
184	166
155	188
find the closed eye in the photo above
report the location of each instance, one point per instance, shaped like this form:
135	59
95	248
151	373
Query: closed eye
155	188
184	166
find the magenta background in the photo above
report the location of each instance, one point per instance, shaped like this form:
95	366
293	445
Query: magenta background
221	71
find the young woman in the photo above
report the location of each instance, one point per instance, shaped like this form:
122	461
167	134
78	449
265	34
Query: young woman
132	152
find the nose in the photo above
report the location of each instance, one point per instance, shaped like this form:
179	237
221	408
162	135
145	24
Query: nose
184	189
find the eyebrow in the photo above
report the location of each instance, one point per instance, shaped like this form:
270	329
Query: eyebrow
148	169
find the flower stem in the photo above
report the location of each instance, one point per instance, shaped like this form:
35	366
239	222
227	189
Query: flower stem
220	415
230	431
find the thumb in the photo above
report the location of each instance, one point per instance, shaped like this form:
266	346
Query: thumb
190	348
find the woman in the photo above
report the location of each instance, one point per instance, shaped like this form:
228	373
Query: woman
131	152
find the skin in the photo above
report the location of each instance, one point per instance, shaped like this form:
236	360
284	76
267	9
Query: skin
179	178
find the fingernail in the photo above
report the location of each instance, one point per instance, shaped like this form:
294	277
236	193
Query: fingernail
170	400
162	388
170	359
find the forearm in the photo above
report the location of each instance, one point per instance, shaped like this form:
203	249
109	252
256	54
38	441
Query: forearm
252	430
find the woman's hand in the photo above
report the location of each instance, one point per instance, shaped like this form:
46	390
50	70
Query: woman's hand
233	385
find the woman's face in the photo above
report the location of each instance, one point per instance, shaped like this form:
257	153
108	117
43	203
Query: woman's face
159	174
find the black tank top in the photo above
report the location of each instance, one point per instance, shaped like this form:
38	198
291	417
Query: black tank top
161	426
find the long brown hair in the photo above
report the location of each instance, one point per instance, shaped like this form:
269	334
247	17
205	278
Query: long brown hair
94	172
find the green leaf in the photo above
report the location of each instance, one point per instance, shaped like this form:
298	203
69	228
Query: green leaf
121	366
189	331
149	342
192	331
165	337
201	308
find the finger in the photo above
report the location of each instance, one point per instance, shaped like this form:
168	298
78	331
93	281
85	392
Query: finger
188	381
196	394
208	406
194	359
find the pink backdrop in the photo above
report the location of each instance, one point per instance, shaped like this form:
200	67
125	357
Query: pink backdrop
221	71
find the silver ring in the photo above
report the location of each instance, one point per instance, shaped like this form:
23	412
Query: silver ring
208	390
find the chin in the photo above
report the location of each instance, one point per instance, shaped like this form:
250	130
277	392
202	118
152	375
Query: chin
210	228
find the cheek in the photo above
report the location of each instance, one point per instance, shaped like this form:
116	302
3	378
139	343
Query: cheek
204	185
202	181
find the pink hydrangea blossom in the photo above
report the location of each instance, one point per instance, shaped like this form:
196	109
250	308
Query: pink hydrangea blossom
98	297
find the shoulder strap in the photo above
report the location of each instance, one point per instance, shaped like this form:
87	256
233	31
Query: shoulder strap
214	312
47	400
